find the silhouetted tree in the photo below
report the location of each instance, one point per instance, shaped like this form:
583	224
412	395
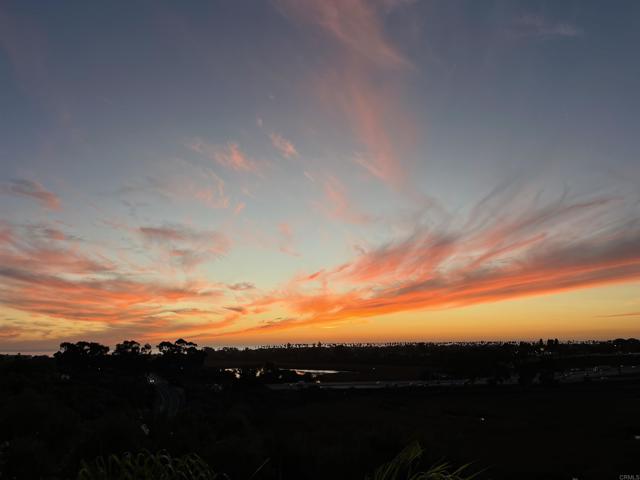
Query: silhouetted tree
131	347
84	349
80	354
181	354
166	348
130	355
179	347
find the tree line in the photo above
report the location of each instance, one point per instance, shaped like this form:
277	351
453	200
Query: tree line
128	354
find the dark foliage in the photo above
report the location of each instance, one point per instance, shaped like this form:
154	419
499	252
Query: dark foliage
87	403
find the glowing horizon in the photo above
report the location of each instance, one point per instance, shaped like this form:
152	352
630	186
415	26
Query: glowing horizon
318	170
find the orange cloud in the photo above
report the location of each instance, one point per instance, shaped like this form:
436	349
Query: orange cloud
546	249
46	274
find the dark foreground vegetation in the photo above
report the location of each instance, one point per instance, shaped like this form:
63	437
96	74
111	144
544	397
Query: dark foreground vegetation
543	410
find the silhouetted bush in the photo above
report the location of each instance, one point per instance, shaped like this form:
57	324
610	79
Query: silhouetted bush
145	465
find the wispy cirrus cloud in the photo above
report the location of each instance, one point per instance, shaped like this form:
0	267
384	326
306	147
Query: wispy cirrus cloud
241	286
43	248
626	314
355	24
500	252
52	276
286	239
179	180
364	81
229	156
539	26
186	246
284	146
337	205
239	208
9	331
34	190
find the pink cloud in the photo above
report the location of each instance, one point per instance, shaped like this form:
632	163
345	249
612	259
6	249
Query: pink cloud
51	275
182	181
34	190
355	24
336	204
47	250
286	239
239	208
186	246
284	146
229	156
363	82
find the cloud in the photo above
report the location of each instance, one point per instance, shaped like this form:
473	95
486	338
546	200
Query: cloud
185	246
67	286
336	204
239	208
113	298
363	81
286	240
45	249
236	309
502	251
538	26
180	180
229	156
284	146
626	314
354	24
375	113
512	244
241	286
8	332
33	190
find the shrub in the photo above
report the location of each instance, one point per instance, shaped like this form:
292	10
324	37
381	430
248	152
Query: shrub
148	466
403	465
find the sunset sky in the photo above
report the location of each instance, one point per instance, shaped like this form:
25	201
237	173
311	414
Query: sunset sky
259	172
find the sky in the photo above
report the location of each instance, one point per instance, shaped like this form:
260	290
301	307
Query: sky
263	172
